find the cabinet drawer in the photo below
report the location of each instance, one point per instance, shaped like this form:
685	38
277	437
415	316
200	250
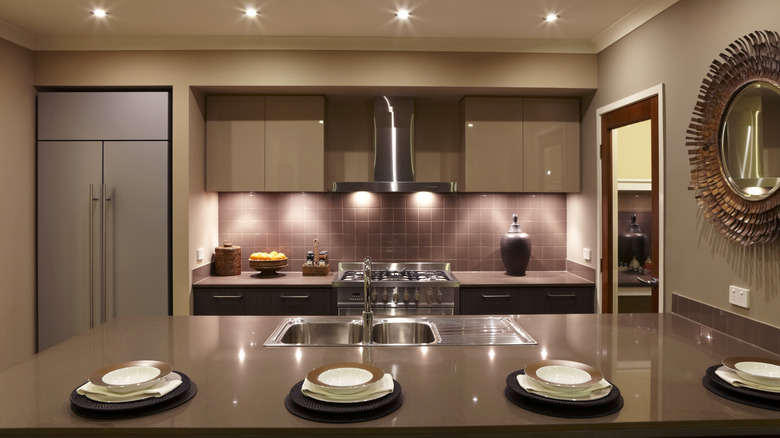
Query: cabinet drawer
262	301
223	302
491	301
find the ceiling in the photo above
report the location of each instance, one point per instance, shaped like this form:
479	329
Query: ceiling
584	26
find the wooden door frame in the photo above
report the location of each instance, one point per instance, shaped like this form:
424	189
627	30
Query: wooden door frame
644	105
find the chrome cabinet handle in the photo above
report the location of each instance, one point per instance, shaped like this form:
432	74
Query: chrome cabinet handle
294	297
652	282
549	295
92	200
103	252
496	296
227	297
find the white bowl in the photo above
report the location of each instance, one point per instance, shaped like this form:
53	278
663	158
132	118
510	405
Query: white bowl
563	375
755	369
345	378
131	376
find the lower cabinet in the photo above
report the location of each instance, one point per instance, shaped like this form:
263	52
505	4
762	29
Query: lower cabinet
262	301
526	300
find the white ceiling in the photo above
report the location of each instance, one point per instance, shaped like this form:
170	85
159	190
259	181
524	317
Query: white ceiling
585	26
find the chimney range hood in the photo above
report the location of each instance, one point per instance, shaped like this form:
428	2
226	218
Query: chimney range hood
394	152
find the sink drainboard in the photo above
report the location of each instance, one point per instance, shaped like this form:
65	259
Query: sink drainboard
481	330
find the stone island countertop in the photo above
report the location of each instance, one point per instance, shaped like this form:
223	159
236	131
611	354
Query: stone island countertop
657	362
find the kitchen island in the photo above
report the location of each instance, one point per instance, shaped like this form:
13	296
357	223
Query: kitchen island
657	362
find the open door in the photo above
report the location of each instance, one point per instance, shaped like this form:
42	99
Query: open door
640	267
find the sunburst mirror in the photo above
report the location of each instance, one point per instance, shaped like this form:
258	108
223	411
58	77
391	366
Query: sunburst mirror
734	140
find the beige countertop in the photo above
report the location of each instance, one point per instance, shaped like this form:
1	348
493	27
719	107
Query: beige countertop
657	362
466	279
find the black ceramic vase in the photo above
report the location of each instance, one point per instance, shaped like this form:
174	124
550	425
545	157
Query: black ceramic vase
515	249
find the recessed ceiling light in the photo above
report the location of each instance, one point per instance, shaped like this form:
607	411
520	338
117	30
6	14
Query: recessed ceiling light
403	14
251	12
99	13
550	18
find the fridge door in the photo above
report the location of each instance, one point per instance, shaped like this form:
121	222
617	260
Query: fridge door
136	228
66	170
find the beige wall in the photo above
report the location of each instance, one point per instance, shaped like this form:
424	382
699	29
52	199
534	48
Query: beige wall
676	49
194	211
17	223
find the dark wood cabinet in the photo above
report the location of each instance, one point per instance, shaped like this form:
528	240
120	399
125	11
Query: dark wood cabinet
526	300
262	301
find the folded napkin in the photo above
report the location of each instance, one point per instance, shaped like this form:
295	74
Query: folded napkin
102	394
534	387
383	386
733	378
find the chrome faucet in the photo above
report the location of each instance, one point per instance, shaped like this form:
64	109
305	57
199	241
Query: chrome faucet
368	315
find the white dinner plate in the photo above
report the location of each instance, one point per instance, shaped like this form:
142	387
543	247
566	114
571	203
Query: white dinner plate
563	375
533	387
345	378
131	376
755	369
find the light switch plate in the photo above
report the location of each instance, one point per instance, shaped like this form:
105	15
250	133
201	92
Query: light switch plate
739	296
201	254
586	254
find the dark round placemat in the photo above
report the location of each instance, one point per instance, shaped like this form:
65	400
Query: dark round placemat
610	404
311	409
83	406
745	396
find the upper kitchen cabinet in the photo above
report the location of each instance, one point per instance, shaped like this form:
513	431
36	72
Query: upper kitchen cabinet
103	115
265	143
520	144
492	144
551	145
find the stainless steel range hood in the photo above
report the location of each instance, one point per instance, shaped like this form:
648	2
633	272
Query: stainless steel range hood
394	152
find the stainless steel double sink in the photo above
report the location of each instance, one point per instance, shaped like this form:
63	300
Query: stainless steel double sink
340	331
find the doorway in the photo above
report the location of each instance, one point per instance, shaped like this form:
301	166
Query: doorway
630	188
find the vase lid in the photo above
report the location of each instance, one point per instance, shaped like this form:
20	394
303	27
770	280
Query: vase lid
514	227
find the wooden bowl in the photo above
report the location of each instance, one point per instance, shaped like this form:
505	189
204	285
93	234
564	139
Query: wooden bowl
267	266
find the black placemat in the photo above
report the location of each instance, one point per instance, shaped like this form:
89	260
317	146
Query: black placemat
83	406
607	405
306	407
745	396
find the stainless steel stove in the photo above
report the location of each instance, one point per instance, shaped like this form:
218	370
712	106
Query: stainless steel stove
416	288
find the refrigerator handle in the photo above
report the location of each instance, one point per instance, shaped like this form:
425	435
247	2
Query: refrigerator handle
92	200
103	251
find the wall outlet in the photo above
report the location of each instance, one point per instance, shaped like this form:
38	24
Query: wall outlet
739	296
586	254
201	254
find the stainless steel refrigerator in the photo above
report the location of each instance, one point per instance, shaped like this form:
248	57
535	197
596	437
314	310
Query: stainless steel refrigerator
103	245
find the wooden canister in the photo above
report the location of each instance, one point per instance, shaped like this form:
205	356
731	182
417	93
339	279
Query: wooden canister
227	260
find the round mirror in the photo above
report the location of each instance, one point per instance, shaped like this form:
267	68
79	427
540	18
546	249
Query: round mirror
750	141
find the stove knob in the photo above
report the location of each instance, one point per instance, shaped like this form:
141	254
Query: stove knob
373	295
384	295
406	295
417	295
395	296
430	296
439	296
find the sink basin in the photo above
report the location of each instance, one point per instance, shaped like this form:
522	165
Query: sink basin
396	331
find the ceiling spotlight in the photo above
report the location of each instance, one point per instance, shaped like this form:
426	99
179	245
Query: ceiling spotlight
403	14
99	13
550	18
251	12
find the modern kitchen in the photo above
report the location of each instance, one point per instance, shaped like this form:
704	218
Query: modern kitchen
436	213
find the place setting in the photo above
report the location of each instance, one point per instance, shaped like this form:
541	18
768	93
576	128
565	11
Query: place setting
131	389
563	388
346	392
753	381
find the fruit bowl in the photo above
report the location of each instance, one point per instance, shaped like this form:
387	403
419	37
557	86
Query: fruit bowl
267	266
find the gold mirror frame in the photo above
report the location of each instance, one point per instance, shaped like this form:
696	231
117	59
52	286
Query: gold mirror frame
755	57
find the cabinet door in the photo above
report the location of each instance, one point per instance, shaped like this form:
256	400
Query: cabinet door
293	302
531	300
103	115
295	143
493	144
235	143
562	300
551	145
493	301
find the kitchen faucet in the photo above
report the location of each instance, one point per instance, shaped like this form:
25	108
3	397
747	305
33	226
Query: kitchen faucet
368	315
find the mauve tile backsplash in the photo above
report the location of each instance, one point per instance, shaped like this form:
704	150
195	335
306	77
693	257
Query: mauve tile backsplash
463	229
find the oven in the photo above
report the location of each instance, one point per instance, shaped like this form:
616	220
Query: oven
398	289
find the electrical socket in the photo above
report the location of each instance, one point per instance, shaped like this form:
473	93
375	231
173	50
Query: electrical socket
201	254
586	254
739	296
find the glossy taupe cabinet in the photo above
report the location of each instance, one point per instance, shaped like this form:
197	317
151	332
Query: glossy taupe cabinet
513	144
265	143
